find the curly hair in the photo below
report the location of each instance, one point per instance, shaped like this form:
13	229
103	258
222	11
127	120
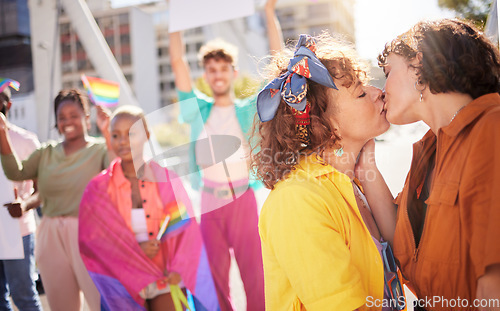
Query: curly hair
73	95
456	57
275	144
219	50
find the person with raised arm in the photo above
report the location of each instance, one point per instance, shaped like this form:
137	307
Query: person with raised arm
62	170
229	208
17	276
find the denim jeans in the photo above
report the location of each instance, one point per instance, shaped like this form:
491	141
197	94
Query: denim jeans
18	277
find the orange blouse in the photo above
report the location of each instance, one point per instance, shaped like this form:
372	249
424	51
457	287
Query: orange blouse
462	222
120	192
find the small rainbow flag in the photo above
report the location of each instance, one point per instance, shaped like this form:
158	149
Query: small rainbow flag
101	92
176	218
4	82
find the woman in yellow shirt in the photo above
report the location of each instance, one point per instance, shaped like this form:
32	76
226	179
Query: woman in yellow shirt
320	239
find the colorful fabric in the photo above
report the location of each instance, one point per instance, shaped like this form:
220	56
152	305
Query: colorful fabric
292	85
117	264
4	82
101	92
318	254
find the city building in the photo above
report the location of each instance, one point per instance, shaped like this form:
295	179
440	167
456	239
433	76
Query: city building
130	34
16	61
248	34
138	38
313	17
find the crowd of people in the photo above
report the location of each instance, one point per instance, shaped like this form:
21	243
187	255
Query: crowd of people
120	231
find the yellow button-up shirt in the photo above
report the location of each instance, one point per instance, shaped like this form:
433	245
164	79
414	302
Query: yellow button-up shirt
317	252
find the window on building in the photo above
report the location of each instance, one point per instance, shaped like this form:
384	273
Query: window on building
319	10
81	64
198	46
105	23
126	59
89	65
64	29
8	18
123	19
162	86
125	38
79	46
66	49
67	67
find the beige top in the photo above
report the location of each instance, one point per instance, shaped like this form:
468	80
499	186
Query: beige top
61	179
223	121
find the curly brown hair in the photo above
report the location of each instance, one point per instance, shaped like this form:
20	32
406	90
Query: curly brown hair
276	147
219	50
456	57
74	95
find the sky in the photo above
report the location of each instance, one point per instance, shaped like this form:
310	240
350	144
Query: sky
377	21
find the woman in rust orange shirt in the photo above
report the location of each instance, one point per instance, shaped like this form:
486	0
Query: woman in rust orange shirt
446	73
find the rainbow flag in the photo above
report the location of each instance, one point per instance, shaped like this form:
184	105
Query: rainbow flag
178	217
4	82
101	92
115	261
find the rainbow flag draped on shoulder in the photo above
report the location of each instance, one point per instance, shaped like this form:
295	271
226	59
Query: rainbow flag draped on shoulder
114	259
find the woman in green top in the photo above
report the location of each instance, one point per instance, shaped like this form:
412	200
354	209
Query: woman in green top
62	170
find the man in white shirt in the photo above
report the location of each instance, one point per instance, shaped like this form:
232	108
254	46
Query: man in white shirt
17	277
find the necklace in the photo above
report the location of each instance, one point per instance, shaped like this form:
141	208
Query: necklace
357	193
452	118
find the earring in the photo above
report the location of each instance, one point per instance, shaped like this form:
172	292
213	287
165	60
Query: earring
418	90
338	152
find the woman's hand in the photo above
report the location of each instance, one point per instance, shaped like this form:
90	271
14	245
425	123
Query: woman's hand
150	248
17	207
173	278
366	166
103	119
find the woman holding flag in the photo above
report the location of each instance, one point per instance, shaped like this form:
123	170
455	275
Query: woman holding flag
63	170
140	245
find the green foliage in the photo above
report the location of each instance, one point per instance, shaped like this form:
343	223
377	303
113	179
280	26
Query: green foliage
171	133
474	10
244	86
